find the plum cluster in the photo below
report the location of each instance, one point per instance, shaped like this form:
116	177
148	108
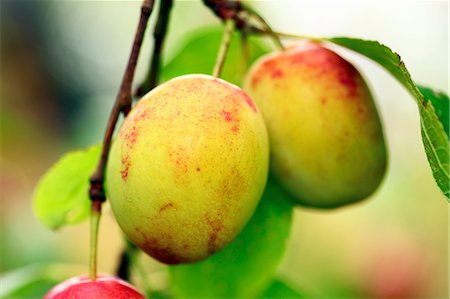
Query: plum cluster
190	162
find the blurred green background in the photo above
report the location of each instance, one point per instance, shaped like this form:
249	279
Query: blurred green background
61	65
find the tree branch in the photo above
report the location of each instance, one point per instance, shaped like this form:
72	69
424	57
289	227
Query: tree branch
121	105
159	35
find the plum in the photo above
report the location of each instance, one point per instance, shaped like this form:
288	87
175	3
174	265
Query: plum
326	138
188	168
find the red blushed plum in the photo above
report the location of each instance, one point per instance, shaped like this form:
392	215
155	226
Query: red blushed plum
104	287
326	140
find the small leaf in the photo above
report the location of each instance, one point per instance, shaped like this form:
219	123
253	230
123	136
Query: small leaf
245	267
434	127
61	196
198	56
278	290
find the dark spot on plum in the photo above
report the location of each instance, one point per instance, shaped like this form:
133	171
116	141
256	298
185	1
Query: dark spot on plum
179	157
360	110
166	206
216	226
347	78
126	166
230	117
256	78
143	115
131	137
198	168
233	184
227	116
162	254
154	248
277	73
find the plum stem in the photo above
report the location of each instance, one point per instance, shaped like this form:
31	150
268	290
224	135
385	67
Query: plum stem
267	29
245	50
122	104
159	36
95	221
287	35
224	46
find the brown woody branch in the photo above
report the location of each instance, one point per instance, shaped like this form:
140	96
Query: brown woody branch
159	36
121	105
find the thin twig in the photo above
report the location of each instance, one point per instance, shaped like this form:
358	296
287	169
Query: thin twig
229	27
159	35
245	50
254	30
266	25
122	104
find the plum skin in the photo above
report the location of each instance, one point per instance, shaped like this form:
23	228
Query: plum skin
188	168
104	287
326	138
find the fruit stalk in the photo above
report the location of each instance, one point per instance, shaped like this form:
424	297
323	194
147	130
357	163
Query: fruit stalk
95	220
257	31
245	50
159	35
224	46
267	29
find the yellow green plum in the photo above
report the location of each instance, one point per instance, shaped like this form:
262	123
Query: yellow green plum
188	168
326	138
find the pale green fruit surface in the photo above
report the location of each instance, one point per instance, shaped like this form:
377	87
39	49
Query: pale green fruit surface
188	168
326	139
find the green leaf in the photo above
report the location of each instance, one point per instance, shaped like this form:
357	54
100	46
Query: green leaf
34	281
61	196
35	289
198	56
278	290
248	264
440	102
434	127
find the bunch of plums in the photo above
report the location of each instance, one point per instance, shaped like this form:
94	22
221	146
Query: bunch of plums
190	162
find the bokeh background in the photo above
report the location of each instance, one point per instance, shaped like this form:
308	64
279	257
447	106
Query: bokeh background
61	65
